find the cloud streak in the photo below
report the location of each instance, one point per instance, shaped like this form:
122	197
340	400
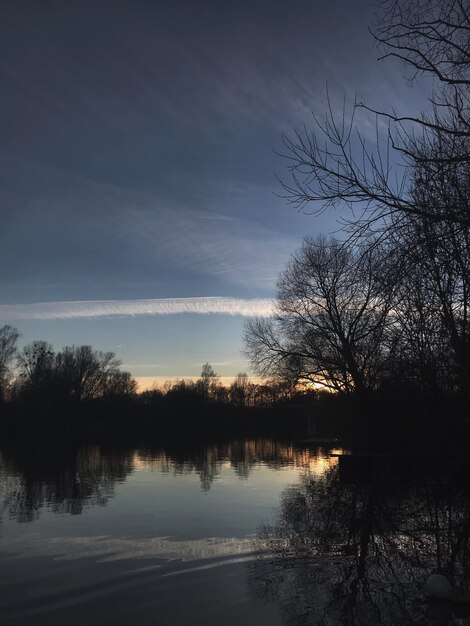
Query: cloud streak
262	307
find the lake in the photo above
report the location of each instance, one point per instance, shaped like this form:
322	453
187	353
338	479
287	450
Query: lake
239	532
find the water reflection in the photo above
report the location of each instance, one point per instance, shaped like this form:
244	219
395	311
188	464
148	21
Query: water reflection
360	553
240	455
64	480
339	552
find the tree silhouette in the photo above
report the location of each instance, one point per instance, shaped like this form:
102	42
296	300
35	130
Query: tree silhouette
77	373
209	383
331	322
241	391
333	165
8	339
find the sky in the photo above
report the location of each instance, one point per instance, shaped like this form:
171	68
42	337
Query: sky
138	154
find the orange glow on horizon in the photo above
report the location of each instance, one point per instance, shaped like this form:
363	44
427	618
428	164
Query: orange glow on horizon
144	383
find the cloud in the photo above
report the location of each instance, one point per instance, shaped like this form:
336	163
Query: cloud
207	242
262	307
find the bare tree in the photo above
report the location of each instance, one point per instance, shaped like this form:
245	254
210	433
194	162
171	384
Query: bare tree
209	382
241	390
8	339
119	384
431	37
76	372
36	364
421	349
411	191
86	373
333	165
331	322
439	286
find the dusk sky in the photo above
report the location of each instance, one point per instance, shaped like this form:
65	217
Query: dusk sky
138	162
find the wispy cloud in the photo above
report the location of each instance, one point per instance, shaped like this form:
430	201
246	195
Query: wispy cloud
204	241
262	307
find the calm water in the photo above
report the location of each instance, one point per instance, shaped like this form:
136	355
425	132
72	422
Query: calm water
157	536
244	532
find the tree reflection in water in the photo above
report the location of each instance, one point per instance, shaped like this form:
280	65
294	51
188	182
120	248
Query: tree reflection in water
360	553
241	455
63	479
67	479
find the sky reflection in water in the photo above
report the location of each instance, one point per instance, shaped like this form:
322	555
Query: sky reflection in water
92	526
242	532
182	496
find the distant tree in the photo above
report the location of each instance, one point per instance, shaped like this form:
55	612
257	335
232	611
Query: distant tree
331	322
208	383
152	396
8	339
76	372
273	391
241	391
221	393
120	384
36	365
181	390
85	372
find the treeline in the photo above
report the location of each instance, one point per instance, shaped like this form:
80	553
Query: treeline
82	391
81	374
242	393
75	373
385	305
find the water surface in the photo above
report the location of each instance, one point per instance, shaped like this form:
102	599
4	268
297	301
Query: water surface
240	532
164	535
